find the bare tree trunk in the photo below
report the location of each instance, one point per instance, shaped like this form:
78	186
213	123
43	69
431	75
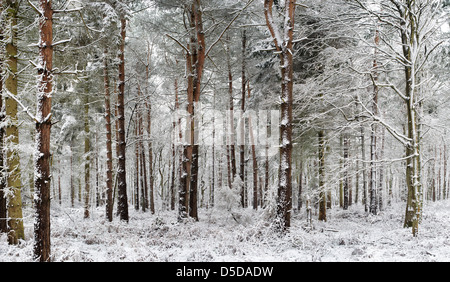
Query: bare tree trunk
198	55
144	185
255	165
137	164
150	159
381	171
3	209
284	45
213	153
122	205
444	172
346	168
109	160
374	132
231	121
43	126
13	176
183	205
364	172
87	154
322	192
72	186
242	129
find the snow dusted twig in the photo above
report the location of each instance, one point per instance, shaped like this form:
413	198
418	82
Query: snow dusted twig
400	137
35	8
228	27
68	10
25	109
62	42
179	43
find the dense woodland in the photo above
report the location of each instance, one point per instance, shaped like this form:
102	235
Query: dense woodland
184	105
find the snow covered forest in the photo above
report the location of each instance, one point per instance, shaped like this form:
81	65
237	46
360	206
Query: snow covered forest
224	130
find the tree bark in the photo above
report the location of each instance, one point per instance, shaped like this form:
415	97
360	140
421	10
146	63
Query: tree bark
322	192
3	209
255	165
109	160
284	45
242	124
373	135
121	172
150	159
43	126
136	162
87	155
14	202
346	171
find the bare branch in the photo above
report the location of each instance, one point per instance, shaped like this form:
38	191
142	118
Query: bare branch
179	43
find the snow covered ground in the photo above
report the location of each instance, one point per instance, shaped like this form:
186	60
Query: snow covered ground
218	237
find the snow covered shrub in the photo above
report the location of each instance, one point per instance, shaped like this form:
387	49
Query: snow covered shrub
227	199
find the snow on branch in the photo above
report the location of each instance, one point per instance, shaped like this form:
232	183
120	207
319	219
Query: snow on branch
228	26
400	137
25	109
68	10
62	42
35	8
179	43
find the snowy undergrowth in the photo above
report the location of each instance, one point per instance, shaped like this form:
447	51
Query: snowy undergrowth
245	235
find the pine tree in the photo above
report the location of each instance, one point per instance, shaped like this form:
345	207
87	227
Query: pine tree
284	45
15	223
3	209
43	127
122	179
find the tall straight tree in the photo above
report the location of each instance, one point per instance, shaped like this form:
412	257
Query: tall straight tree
87	155
122	205
43	119
14	184
195	60
3	211
284	45
109	161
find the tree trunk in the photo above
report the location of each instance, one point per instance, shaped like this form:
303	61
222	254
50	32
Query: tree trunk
150	159
109	160
183	205
231	120
72	186
136	162
255	165
322	192
213	172
284	45
121	172
381	171
14	201
409	37
87	155
346	172
3	209
373	137
364	172
195	59
43	126
242	129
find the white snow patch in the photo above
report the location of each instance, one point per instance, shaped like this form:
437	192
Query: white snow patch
350	235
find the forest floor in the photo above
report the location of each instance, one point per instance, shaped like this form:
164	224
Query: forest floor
350	235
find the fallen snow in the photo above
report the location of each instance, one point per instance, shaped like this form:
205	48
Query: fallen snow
245	237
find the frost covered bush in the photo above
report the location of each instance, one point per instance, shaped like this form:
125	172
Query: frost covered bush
227	199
